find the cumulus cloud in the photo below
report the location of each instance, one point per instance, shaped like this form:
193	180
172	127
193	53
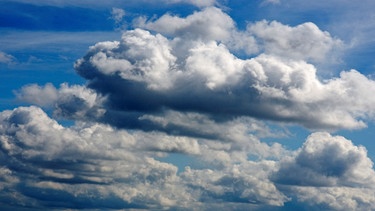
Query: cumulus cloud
76	102
305	41
177	86
331	171
210	24
41	157
277	85
44	157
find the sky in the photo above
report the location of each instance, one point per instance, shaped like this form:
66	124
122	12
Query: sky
187	105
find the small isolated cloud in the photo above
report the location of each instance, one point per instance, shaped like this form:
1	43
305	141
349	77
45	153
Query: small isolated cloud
117	14
265	2
6	58
198	3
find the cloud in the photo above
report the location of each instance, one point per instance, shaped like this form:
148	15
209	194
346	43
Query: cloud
246	183
198	3
46	158
117	14
331	171
209	24
6	58
303	42
187	86
76	102
277	84
265	2
44	161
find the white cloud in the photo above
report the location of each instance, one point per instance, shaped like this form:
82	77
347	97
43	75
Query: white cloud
6	58
44	157
330	170
284	88
140	56
38	95
198	3
270	2
246	183
68	101
117	14
181	89
210	24
305	41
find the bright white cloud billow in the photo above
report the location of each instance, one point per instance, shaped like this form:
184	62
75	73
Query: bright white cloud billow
305	41
277	84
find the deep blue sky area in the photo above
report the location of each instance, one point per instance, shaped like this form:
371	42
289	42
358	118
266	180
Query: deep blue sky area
187	105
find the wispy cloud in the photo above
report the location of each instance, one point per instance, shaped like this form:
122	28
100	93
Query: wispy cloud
6	58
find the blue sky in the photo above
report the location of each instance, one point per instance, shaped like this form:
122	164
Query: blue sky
187	105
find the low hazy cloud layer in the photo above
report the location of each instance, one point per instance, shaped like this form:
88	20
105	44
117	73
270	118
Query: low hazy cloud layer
196	87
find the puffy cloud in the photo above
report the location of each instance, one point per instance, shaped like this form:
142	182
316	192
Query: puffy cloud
210	24
247	183
180	89
68	101
207	77
41	158
47	157
330	170
46	161
305	41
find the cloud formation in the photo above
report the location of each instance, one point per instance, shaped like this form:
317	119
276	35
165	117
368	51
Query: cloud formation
75	102
331	171
44	157
196	87
44	161
196	63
